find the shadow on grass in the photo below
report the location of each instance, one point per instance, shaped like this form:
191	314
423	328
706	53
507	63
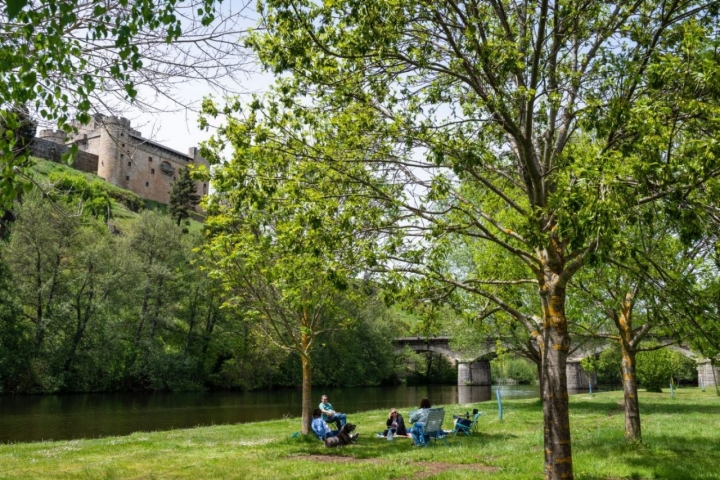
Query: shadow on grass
377	448
652	407
666	456
606	406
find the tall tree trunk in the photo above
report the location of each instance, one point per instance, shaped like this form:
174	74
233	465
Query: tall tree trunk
628	345
83	317
558	453
541	384
306	384
630	391
192	319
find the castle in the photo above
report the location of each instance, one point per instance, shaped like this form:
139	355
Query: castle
112	149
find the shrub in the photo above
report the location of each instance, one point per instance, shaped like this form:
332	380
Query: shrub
657	368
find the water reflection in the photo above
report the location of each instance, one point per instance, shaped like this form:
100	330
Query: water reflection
60	417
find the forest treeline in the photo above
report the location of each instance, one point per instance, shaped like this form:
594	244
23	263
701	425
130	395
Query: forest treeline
91	303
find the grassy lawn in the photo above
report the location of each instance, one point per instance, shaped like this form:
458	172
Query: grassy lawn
681	441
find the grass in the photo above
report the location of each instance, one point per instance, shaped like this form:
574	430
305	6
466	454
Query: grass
43	169
681	441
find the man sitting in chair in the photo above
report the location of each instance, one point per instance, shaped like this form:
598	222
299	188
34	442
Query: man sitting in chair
330	415
319	427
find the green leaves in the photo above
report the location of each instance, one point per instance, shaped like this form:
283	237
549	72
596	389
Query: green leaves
56	55
13	7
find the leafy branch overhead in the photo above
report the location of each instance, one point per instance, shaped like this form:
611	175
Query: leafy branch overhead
65	59
533	128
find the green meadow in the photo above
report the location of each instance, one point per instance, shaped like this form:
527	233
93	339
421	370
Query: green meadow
681	440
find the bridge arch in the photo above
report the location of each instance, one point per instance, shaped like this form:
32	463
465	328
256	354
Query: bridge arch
470	371
576	376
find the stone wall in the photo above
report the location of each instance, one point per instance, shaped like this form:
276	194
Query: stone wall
84	161
474	373
705	374
577	379
112	149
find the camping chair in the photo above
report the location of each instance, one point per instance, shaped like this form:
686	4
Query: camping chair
432	429
467	429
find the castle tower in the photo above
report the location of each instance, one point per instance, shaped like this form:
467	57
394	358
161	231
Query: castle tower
203	188
110	147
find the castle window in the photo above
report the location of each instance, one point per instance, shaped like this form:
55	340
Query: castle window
147	184
149	159
167	169
204	188
122	134
173	179
129	164
122	156
127	177
152	171
122	145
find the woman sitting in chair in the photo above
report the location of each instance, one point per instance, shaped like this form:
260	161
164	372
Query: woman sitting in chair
420	416
395	424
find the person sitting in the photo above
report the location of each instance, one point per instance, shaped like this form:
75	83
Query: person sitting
329	414
319	427
419	416
395	424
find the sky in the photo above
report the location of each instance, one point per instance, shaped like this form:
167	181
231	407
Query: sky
179	129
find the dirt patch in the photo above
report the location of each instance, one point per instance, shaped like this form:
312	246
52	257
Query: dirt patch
434	468
426	469
337	459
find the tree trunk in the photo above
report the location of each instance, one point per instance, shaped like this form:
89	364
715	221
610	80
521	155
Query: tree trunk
630	391
628	346
558	454
541	384
306	385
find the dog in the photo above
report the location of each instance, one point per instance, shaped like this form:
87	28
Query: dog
342	438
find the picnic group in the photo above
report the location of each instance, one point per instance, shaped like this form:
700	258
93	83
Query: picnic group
325	414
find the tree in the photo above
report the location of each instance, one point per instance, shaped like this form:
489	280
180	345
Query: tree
495	93
183	197
289	236
66	58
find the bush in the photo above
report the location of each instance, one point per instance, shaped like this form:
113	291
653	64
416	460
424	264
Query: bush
657	368
513	368
95	195
521	371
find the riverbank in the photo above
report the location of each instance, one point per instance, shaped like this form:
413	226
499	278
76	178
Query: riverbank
681	441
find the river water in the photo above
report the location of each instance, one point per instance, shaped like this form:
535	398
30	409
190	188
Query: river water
64	417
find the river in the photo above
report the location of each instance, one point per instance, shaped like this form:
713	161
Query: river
63	417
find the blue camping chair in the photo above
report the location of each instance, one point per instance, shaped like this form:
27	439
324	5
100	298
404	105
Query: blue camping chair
467	429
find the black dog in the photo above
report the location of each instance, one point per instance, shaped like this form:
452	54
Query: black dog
342	438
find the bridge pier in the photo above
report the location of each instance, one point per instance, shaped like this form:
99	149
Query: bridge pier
474	373
705	374
577	379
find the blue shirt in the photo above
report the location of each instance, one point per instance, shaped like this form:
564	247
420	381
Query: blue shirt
320	428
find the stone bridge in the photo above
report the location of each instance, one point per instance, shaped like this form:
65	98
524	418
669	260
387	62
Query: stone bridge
477	371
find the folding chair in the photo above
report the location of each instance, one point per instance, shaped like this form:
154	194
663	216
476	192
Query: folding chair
432	429
467	429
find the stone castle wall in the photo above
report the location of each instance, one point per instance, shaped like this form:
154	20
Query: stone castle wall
126	159
84	161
